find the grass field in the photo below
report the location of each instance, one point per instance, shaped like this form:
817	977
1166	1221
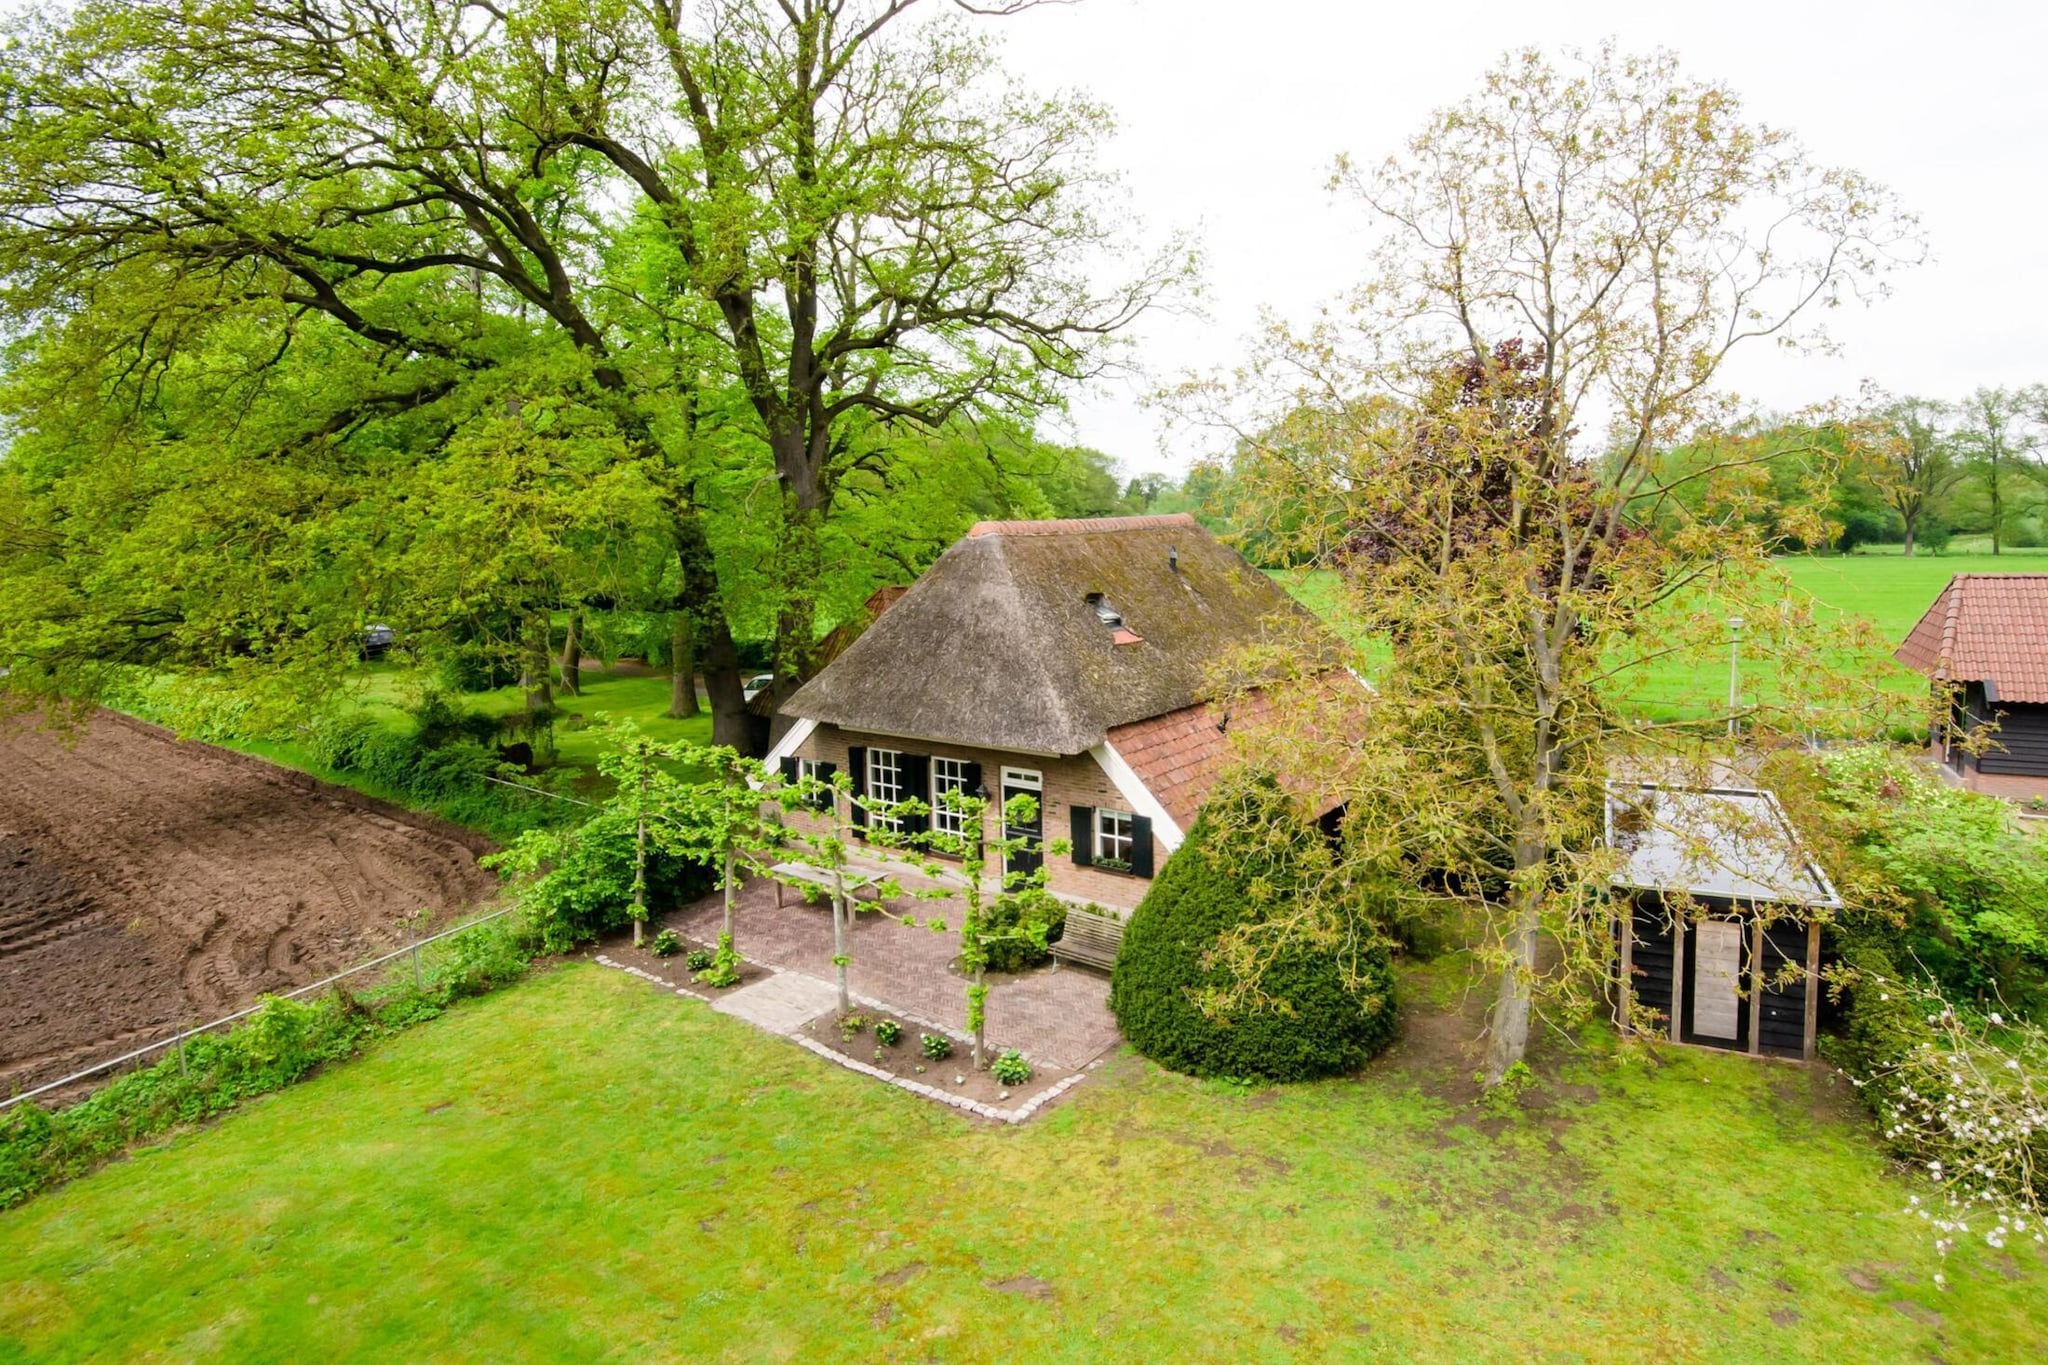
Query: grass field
1883	588
581	1167
620	693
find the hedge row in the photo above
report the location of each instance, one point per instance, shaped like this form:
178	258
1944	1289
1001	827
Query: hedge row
277	1045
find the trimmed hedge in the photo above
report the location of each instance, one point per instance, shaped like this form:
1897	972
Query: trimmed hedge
1313	1023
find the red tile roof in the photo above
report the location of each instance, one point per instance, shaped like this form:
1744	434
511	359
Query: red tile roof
1078	525
1986	627
1179	755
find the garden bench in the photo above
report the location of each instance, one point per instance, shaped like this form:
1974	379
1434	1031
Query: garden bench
1090	939
784	873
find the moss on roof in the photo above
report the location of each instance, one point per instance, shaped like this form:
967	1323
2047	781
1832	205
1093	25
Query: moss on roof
998	643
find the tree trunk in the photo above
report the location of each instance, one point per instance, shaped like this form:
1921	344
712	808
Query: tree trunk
1909	538
1508	1025
1997	508
799	567
533	680
699	596
728	894
682	667
980	987
839	941
572	655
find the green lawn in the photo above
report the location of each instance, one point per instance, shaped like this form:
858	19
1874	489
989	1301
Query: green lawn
1884	589
580	1167
618	693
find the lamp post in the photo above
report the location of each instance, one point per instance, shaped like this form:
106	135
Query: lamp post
1734	666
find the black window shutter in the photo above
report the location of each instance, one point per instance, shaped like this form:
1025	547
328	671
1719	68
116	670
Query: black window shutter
1141	846
824	799
1084	835
917	783
788	766
857	764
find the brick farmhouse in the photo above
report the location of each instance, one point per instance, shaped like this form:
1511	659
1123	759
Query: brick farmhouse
1097	665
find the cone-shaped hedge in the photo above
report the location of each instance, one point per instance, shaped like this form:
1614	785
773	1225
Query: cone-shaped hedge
1241	863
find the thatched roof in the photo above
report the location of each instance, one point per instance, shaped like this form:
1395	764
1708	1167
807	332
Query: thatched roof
1011	640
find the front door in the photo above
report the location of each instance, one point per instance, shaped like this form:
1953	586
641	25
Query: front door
1714	995
1022	782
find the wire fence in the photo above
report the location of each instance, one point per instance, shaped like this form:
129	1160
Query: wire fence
177	1039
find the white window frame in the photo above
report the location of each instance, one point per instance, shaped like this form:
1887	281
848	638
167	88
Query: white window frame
1107	838
807	768
885	793
949	775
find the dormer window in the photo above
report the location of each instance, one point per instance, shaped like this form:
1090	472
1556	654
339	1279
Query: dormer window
1113	621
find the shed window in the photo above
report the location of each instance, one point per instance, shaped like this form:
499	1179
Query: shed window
949	775
1113	839
885	785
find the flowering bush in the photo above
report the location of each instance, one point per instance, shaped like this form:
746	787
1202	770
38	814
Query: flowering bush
1958	1096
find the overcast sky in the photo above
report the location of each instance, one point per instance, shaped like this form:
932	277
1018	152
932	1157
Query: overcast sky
1230	115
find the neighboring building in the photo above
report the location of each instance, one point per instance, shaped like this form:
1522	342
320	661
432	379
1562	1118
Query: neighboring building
1722	938
1985	639
1073	660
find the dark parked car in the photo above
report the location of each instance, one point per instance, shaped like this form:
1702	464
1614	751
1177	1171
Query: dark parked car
377	641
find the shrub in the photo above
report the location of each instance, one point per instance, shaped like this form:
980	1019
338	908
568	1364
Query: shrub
578	882
1018	925
887	1031
1319	1009
936	1046
850	1025
1011	1068
667	943
699	959
724	968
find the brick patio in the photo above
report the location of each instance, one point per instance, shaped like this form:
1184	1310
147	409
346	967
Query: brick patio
1056	1015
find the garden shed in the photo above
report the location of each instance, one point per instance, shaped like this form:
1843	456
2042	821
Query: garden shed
1721	934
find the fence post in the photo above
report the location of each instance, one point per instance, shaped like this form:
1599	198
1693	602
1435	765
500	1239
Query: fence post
416	983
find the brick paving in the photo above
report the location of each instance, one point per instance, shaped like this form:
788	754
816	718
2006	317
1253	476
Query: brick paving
1057	1015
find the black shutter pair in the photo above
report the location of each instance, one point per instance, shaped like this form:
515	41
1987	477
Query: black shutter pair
857	764
818	800
916	770
1083	828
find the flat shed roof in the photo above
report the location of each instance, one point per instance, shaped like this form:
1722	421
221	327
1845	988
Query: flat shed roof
1734	843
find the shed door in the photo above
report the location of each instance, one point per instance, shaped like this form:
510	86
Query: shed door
1717	979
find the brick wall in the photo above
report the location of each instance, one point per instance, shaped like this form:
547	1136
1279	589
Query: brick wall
1069	781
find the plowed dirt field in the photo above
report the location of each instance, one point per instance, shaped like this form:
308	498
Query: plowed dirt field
146	882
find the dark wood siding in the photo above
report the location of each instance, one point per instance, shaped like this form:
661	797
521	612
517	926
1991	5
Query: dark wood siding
1781	1026
1650	955
2020	743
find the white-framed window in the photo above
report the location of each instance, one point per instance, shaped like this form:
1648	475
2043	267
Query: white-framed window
807	768
949	775
1112	838
885	785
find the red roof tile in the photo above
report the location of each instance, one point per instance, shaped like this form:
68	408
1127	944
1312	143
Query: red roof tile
1986	627
1179	755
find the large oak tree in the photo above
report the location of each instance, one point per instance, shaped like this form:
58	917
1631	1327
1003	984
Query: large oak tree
838	210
